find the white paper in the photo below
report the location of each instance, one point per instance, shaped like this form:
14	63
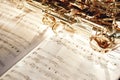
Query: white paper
63	56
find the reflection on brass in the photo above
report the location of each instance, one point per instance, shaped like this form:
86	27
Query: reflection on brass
101	42
52	22
104	13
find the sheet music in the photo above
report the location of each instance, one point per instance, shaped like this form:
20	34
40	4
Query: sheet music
63	56
20	32
58	58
